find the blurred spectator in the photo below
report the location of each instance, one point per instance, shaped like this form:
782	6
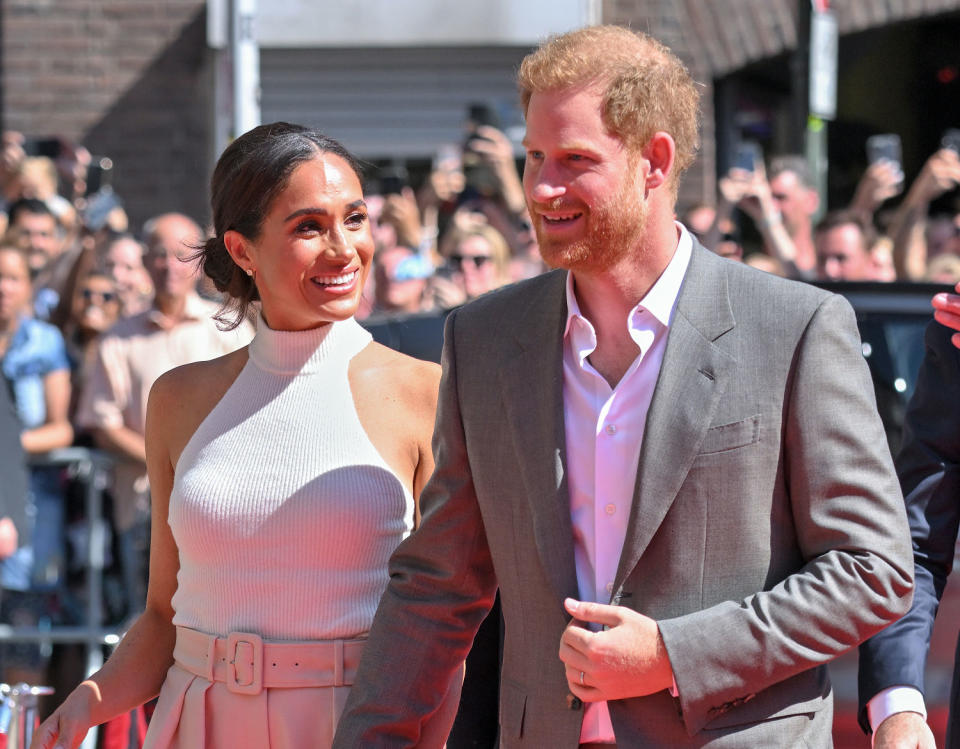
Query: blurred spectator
699	219
34	227
400	280
842	240
939	174
13	488
53	261
754	195
881	260
15	548
797	200
123	262
34	360
762	261
95	309
177	328
944	269
943	235
476	260
37	178
34	363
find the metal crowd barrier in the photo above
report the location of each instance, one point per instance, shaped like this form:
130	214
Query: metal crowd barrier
91	468
18	713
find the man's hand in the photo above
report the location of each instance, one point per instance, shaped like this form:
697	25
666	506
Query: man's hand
401	211
626	659
946	311
904	731
940	173
880	182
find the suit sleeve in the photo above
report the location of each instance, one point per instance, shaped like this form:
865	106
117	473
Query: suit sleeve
929	469
854	569
441	587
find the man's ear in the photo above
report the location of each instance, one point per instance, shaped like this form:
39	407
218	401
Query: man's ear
239	249
660	154
813	201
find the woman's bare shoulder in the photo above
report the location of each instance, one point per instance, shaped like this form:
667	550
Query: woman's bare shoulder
413	380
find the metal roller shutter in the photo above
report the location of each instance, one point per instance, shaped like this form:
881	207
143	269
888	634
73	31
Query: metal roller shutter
389	102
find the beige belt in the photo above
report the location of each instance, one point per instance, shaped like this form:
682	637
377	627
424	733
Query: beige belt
247	664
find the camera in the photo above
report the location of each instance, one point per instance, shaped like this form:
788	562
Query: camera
393	179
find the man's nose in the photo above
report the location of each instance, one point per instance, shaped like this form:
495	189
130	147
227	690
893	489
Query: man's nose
545	183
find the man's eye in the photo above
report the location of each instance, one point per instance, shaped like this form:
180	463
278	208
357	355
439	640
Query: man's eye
534	155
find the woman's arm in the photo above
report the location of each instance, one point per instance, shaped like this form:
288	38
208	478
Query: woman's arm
136	670
56	430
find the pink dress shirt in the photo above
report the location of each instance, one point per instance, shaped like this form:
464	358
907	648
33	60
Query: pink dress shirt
604	431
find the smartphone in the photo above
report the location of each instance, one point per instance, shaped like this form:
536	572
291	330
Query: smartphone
482	113
99	174
393	179
748	155
885	147
49	147
951	139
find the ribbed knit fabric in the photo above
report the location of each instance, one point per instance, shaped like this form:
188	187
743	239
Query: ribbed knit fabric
283	511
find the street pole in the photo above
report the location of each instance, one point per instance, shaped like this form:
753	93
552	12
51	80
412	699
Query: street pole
822	92
246	66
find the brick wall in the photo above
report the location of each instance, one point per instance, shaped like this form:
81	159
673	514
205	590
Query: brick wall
127	78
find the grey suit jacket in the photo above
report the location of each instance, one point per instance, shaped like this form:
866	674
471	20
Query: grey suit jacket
767	533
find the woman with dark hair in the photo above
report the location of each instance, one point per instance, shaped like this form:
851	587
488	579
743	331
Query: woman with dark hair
282	475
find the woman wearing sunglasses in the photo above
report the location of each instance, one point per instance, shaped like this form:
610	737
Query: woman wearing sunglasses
476	258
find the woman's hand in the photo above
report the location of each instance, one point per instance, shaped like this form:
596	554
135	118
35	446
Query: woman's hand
68	725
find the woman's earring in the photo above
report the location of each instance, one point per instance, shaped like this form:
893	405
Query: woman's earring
249	272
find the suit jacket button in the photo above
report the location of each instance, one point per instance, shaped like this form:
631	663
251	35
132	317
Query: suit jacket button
574	703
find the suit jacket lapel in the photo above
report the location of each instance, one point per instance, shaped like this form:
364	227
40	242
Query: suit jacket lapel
692	377
532	380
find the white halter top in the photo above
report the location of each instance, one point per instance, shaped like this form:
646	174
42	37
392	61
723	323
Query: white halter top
283	511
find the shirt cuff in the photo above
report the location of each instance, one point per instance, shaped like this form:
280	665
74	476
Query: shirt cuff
894	700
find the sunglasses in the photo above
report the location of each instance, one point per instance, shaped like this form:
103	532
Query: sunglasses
104	296
478	261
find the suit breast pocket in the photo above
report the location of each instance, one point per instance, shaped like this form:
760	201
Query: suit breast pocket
725	437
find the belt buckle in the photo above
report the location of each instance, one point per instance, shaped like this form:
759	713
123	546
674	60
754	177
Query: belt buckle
235	641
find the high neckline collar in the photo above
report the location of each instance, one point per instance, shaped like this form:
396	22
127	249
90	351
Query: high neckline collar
291	352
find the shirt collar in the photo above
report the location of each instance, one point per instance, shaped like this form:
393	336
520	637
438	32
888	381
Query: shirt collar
193	309
660	301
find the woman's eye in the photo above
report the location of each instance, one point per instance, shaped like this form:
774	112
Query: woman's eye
356	219
308	226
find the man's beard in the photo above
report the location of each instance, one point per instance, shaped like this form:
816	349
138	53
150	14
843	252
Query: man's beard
614	229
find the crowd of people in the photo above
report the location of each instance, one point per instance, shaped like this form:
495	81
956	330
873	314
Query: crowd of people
93	314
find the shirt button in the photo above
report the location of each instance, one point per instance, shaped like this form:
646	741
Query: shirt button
611	429
610	508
